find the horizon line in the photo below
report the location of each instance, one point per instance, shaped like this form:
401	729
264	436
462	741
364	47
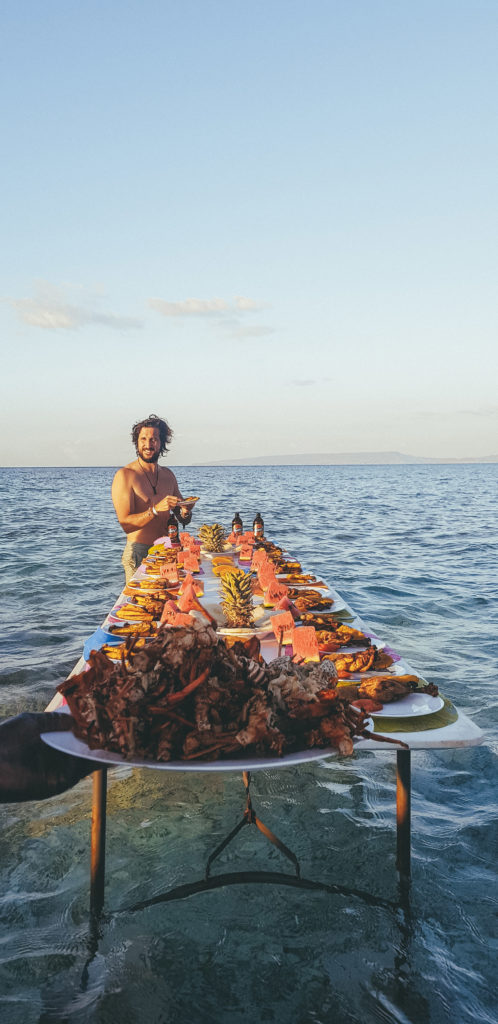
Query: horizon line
259	461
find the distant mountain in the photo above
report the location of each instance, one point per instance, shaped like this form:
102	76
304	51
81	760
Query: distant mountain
344	459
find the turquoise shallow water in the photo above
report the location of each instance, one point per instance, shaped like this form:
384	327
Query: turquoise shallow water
414	551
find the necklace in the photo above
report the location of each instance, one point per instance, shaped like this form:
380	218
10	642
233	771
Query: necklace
152	485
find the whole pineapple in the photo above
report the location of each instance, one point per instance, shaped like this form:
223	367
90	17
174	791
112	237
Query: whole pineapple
212	537
237	598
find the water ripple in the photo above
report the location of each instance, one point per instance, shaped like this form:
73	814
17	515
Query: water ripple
413	550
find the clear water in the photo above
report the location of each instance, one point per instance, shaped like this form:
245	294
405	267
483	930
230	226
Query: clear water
414	551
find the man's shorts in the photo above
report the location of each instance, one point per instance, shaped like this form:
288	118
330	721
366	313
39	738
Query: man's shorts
133	555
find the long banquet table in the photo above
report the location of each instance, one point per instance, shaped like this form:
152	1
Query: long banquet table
446	728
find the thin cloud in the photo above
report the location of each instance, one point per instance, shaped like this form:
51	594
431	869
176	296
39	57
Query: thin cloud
51	310
487	410
251	332
206	307
233	328
191	307
245	305
307	382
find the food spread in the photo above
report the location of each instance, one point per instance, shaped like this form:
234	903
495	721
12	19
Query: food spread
176	689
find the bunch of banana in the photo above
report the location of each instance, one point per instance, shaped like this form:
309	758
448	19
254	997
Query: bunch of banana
141	585
212	537
117	651
237	598
150	604
153	592
134	629
113	651
133	612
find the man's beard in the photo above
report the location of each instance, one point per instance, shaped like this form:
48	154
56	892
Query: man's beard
149	458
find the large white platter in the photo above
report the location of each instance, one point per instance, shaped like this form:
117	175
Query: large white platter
319	585
411	706
228	549
67	743
245	631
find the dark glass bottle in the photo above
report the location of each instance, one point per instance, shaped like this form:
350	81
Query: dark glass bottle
258	527
237	524
172	529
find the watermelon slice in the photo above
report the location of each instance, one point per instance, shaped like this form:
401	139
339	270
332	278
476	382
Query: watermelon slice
171	616
282	625
188	601
246	538
266	575
286	605
245	553
305	644
179	619
169	572
260	557
196	584
191	563
273	593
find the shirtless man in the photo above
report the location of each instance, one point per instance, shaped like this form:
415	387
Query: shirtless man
144	493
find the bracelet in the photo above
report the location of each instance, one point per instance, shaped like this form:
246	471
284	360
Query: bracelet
154	510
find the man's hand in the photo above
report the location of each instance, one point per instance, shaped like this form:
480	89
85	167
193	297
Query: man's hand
166	504
31	770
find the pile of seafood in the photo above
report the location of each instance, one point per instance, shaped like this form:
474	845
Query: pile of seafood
187	695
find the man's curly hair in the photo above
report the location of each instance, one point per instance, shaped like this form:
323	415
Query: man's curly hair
165	431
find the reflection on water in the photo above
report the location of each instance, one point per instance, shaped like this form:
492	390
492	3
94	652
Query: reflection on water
413	549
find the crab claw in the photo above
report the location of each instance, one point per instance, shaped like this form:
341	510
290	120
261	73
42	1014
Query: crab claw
176	698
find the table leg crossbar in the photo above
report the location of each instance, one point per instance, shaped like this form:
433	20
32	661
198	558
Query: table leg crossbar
403	809
251	818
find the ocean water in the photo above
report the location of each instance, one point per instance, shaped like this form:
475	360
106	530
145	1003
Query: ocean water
414	551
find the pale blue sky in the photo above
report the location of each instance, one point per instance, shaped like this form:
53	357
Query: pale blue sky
272	222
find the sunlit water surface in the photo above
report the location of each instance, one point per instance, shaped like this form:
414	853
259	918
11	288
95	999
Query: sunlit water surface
414	551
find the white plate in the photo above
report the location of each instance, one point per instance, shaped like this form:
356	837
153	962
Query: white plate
243	631
411	706
228	549
153	588
185	503
336	607
114	620
305	583
69	744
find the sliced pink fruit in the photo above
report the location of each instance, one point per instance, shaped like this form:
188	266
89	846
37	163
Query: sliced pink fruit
285	604
245	553
305	644
282	625
188	601
191	563
196	584
169	571
274	592
266	575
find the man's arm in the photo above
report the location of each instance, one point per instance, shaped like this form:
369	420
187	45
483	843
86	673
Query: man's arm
182	512
31	770
122	499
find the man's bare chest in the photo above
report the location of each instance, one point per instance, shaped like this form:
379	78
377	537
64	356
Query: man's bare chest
149	489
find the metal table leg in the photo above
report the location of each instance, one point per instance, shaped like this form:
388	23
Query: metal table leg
97	856
403	804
